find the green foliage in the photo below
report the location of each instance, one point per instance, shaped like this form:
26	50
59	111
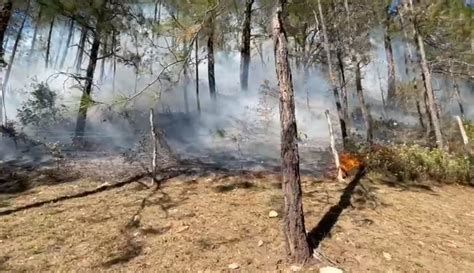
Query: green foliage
41	109
413	162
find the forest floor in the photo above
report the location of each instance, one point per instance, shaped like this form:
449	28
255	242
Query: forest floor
209	221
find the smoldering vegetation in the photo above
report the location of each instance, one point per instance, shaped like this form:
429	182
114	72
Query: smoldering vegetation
240	129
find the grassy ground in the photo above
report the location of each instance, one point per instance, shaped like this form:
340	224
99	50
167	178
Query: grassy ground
207	223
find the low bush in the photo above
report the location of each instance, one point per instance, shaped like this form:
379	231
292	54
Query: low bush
414	163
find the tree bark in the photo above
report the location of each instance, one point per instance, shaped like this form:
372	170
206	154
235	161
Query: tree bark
340	112
86	94
333	148
35	35
68	44
363	106
48	46
210	60
298	248
245	47
391	80
104	60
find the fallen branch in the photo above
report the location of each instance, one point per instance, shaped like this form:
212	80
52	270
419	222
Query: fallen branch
102	188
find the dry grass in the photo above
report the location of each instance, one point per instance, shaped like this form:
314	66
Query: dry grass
210	222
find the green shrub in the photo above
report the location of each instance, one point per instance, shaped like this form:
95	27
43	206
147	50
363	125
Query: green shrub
414	162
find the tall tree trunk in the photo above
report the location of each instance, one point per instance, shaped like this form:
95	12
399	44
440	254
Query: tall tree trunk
340	112
114	61
12	59
391	80
457	93
426	75
345	103
185	88
431	101
68	44
80	49
48	46
363	106
5	15
298	248
102	63
35	35
196	53
210	60
245	46
157	13
62	34
86	94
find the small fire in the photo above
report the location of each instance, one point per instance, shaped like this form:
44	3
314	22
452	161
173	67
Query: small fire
348	163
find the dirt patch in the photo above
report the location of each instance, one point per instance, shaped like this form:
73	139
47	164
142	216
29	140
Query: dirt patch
207	223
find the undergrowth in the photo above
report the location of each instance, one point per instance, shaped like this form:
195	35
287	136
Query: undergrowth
415	163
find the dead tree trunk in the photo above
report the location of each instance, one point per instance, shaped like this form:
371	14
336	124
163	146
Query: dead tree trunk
86	94
80	49
48	46
363	106
210	60
429	91
245	47
12	60
426	75
35	35
297	244
68	44
157	13
340	112
196	53
333	148
391	81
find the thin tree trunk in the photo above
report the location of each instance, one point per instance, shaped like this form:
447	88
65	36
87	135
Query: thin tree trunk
210	60
104	60
298	248
245	47
363	106
157	14
185	88
420	114
391	80
430	98
80	49
68	44
154	139
61	42
35	35
333	148
5	15
48	46
342	120
457	93
12	59
86	95
429	92
114	62
345	103
196	53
